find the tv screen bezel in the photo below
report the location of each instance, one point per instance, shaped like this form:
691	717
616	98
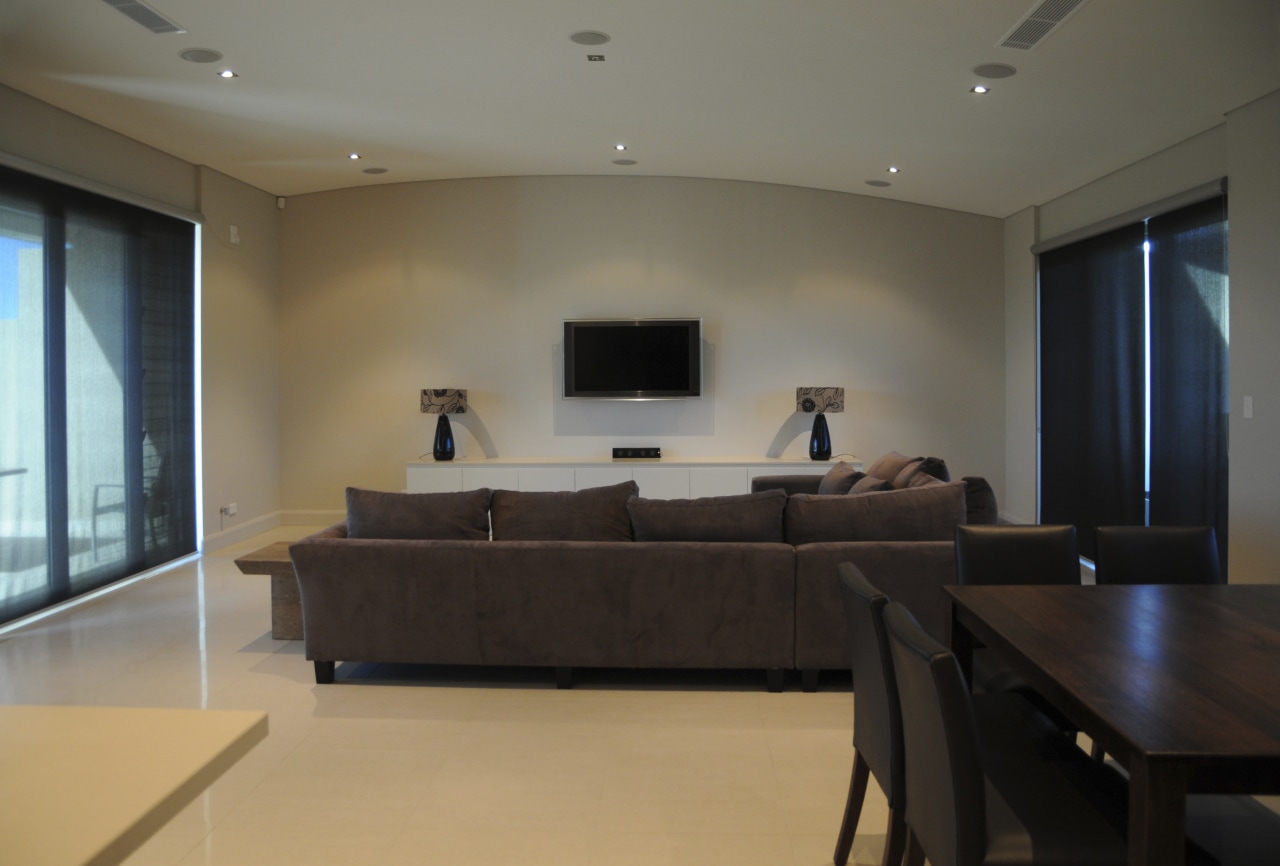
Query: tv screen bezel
569	387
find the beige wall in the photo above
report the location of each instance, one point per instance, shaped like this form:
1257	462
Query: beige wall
389	289
1253	140
240	327
1242	149
239	356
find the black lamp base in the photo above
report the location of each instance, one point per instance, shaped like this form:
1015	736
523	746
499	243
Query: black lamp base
820	441
442	448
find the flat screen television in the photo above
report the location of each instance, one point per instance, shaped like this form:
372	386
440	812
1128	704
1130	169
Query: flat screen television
633	359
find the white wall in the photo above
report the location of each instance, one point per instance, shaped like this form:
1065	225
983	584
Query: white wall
390	289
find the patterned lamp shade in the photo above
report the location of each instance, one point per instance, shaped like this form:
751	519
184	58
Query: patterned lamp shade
444	401
819	400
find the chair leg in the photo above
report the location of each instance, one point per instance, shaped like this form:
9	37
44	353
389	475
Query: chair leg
915	854
895	840
852	808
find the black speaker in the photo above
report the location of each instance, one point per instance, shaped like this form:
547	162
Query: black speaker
637	454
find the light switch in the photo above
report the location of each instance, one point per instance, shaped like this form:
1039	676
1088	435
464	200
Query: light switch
235	234
1248	406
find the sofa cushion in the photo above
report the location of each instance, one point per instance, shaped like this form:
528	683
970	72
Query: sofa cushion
870	484
916	514
593	514
383	514
744	518
887	466
980	501
839	479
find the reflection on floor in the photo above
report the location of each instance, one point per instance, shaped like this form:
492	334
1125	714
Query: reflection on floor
395	766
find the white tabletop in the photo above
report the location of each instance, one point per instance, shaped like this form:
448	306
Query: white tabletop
88	785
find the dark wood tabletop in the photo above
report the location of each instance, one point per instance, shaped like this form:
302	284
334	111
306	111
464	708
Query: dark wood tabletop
1181	684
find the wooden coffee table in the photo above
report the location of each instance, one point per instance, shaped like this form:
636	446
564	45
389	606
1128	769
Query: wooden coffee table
286	604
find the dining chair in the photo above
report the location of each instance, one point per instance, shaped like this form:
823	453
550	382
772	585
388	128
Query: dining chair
877	726
1007	555
877	720
1158	554
1010	554
972	806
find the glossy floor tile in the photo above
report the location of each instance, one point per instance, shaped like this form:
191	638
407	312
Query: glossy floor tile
451	766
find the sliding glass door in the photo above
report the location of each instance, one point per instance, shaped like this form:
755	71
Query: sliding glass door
97	421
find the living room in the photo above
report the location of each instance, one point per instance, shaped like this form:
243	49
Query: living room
327	312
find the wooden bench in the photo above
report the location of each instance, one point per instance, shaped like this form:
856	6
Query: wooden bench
286	605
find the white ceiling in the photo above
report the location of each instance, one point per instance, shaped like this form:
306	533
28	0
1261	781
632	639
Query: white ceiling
812	93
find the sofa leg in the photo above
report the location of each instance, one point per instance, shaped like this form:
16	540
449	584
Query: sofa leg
809	679
774	678
324	672
564	677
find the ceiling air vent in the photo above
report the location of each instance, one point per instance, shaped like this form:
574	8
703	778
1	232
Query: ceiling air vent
145	15
1036	25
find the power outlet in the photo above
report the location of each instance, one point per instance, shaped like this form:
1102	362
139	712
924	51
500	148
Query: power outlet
230	510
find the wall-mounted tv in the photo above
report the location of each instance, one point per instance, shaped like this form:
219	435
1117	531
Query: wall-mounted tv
633	359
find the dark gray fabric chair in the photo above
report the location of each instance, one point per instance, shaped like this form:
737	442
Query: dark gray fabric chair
970	805
1158	554
1008	555
1011	554
877	720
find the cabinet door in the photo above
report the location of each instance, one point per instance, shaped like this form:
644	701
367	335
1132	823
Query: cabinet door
546	478
662	482
493	477
600	476
434	479
718	481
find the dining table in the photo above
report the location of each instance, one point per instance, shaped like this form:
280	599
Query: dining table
1179	684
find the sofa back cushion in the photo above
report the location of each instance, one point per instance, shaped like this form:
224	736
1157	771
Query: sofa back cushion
593	514
743	518
929	513
383	514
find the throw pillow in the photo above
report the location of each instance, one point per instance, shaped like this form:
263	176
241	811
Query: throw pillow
870	484
839	479
383	514
593	514
889	466
920	471
916	514
744	518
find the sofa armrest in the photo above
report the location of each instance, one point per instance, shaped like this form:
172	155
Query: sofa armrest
791	484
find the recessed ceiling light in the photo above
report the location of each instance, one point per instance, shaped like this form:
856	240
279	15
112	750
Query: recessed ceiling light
878	183
200	55
893	169
619	147
980	89
624	162
353	156
994	70
227	73
589	37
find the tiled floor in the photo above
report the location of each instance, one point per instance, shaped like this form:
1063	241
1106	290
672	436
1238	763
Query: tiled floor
422	766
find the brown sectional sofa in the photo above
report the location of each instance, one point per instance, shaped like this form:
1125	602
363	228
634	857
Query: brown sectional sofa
603	578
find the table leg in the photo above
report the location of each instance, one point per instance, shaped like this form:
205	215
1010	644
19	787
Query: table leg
1157	812
962	646
286	608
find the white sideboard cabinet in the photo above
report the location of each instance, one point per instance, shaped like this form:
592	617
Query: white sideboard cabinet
657	479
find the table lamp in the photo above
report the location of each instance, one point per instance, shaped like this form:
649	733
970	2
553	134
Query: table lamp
820	400
444	402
